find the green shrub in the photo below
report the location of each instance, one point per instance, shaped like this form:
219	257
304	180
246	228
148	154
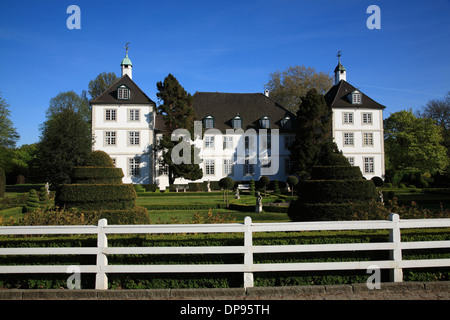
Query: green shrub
96	197
139	188
32	201
98	159
252	187
347	198
336	191
336	173
97	175
100	187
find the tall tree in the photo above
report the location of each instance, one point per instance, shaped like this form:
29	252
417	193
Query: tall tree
313	144
65	141
439	111
102	82
69	101
177	112
412	142
289	86
8	134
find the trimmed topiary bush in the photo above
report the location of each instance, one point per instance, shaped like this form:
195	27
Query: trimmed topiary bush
32	201
333	193
98	188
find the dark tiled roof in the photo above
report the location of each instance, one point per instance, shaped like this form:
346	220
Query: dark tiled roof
339	97
251	107
137	96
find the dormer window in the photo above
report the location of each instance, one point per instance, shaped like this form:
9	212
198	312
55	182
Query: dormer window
123	93
265	122
209	122
356	97
237	122
286	122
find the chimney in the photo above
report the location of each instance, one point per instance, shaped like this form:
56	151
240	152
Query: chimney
266	93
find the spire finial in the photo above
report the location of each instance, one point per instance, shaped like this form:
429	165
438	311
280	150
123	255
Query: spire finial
126	47
339	54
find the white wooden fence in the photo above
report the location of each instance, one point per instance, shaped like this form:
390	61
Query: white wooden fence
247	267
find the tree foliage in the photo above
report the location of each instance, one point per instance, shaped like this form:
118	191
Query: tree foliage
313	143
8	134
177	112
65	142
102	82
412	142
289	86
439	111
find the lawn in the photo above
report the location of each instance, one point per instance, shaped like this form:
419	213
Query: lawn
181	207
154	203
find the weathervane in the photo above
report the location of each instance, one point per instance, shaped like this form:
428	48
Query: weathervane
126	47
339	54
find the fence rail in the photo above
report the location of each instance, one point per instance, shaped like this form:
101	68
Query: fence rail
247	267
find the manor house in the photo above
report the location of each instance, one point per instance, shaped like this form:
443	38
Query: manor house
125	125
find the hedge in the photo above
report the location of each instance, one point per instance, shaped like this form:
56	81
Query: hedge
336	173
336	191
97	175
344	195
95	197
202	280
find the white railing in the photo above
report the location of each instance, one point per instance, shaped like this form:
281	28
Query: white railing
247	267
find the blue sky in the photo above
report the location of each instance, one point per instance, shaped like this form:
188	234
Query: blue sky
226	46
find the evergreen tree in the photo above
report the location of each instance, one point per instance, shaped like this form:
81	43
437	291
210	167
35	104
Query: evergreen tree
65	142
313	143
177	112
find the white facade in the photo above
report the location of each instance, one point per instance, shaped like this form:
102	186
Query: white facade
358	133
126	134
123	125
220	158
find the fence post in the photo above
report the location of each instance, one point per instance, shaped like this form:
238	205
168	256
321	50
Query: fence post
396	274
248	255
101	279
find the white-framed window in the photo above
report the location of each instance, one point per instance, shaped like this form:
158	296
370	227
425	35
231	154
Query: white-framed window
209	142
356	97
349	139
123	93
288	141
367	117
110	115
134	138
249	168
368	139
369	165
351	160
209	167
228	167
348	117
134	115
110	138
237	122
209	122
287	165
134	167
162	169
286	122
227	142
265	122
